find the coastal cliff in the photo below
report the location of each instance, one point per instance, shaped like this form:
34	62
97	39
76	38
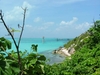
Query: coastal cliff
73	45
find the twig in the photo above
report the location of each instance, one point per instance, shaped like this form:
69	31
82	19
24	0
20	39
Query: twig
22	26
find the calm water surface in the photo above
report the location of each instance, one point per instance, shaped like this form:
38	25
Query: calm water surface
45	47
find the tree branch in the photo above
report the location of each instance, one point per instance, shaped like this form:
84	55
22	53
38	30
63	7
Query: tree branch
19	61
22	27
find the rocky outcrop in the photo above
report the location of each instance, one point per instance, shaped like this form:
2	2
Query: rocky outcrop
64	52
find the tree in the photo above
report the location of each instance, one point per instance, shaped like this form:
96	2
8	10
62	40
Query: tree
10	33
21	63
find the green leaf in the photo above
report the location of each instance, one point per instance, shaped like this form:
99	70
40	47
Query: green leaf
30	63
8	43
42	68
34	47
0	71
42	57
31	56
26	67
4	44
8	71
9	61
15	69
33	61
2	38
14	30
24	72
2	63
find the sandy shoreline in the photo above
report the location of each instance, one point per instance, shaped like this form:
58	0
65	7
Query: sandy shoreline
64	52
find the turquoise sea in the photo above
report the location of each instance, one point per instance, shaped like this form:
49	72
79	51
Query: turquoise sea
45	47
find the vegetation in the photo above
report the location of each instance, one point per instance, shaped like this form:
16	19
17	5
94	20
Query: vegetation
32	63
19	63
85	60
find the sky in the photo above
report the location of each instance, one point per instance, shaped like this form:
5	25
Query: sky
50	18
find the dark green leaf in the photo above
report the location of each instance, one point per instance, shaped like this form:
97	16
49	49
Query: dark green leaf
42	57
15	69
34	47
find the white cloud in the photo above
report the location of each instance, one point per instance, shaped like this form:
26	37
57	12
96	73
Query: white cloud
26	4
42	28
72	26
84	26
39	28
69	22
16	12
31	28
55	29
37	19
46	26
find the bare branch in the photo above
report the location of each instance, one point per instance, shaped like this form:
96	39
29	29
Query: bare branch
13	40
0	12
21	35
1	15
22	26
19	26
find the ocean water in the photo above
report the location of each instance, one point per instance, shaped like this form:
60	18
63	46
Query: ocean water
48	44
45	47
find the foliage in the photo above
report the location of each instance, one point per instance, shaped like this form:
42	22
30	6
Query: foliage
34	47
22	63
6	67
78	41
95	34
85	60
4	44
32	63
